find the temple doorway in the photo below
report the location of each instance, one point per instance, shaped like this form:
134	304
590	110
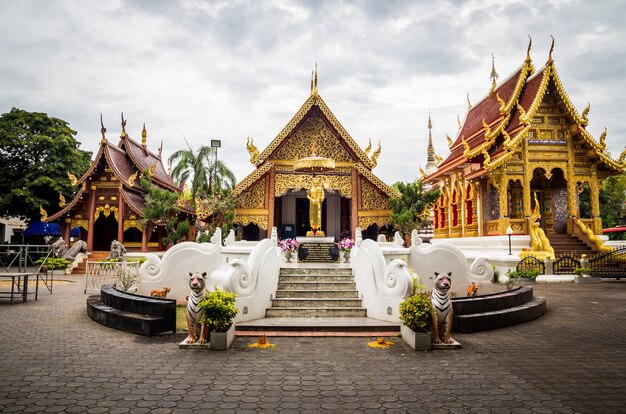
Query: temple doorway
105	228
551	192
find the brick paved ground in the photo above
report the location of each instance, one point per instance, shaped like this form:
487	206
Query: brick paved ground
53	358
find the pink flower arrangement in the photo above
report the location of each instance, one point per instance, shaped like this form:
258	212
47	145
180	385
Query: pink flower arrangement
346	244
288	245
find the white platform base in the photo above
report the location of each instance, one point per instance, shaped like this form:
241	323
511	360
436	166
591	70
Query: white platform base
555	279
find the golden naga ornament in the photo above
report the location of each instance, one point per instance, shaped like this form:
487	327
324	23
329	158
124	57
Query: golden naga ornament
72	178
252	150
61	200
449	140
375	156
368	148
152	169
423	173
131	179
44	214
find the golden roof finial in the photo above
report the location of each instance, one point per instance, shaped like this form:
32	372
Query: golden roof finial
169	167
602	139
72	178
368	148
469	104
161	149
458	121
530	43
422	173
551	50
252	150
314	91
44	215
586	112
61	200
123	126
494	75
449	140
144	135
103	130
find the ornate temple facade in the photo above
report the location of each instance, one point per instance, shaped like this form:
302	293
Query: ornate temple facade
277	192
109	201
523	142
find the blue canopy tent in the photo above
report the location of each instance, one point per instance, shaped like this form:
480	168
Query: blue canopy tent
75	232
39	228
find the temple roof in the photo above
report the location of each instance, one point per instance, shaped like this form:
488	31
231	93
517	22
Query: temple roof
495	126
127	161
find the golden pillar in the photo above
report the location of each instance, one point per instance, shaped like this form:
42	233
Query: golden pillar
594	189
503	221
356	198
269	202
92	213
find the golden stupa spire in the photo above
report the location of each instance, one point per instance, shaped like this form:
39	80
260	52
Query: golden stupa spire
494	75
431	164
144	135
103	130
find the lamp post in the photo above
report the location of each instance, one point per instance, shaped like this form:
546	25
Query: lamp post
215	143
509	231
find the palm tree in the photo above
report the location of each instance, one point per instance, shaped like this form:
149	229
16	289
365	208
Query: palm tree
192	167
202	169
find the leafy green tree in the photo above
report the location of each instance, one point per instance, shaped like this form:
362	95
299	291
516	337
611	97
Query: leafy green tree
613	203
411	209
161	207
200	169
36	153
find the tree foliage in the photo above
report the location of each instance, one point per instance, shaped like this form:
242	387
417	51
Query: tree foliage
200	169
161	208
613	203
36	152
412	208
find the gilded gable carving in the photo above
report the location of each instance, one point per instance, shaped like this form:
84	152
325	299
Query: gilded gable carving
254	197
313	136
372	199
297	182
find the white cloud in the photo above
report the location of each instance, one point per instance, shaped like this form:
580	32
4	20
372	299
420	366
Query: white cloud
233	69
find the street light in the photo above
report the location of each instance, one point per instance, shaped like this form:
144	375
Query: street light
215	143
509	231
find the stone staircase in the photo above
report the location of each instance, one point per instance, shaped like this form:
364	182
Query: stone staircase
316	292
81	269
565	244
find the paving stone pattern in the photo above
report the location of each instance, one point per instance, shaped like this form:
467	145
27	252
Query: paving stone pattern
53	358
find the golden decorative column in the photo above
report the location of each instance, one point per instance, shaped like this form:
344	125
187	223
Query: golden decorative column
356	199
92	213
572	211
594	189
269	202
503	221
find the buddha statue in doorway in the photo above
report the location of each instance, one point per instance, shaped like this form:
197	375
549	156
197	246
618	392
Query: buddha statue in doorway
315	194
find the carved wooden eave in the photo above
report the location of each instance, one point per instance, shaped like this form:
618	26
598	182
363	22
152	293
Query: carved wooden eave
68	206
134	201
305	109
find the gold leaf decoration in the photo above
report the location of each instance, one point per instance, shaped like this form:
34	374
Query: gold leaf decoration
61	200
72	178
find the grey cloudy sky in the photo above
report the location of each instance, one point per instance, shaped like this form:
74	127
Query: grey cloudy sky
233	69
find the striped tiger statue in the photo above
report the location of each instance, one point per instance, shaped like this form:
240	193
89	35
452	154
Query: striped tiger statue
196	330
441	325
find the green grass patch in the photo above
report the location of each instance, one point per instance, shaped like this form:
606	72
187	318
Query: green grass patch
181	318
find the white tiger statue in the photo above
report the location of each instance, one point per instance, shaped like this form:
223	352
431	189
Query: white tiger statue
441	325
195	328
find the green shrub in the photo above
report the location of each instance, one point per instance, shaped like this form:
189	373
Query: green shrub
218	310
416	311
53	263
522	274
580	271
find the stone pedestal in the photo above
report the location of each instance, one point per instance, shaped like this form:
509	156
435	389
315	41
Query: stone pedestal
419	341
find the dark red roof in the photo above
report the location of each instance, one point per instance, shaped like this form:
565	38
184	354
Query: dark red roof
144	159
527	97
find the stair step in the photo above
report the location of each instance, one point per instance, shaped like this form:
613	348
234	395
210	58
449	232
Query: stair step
316	312
500	318
317	286
315	271
351	325
315	278
316	303
114	318
285	294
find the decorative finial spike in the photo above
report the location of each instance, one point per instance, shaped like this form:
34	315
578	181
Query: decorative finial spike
144	135
123	126
458	121
469	104
161	149
530	43
493	75
312	78
551	50
430	123
103	130
314	82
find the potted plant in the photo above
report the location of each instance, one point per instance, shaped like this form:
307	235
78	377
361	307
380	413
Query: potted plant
346	244
218	313
585	275
52	264
522	276
289	247
415	313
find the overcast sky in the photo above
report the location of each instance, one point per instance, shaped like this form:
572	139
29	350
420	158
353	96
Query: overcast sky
232	69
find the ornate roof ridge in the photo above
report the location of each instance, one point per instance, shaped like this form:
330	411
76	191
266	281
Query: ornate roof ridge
129	141
313	100
126	196
391	192
116	171
252	178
